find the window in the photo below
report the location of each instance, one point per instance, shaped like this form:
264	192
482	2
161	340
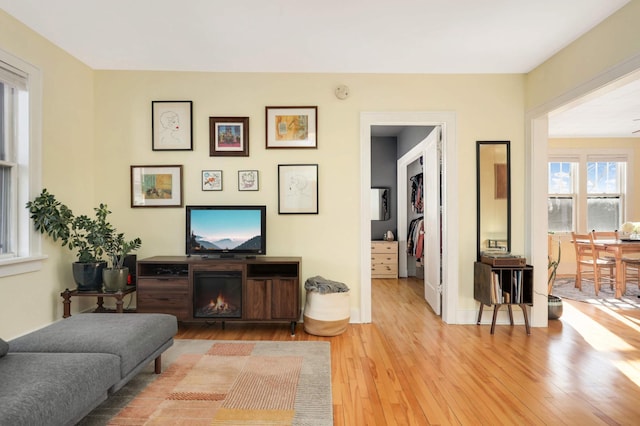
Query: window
587	191
20	99
562	196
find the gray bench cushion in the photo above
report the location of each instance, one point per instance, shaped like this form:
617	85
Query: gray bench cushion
133	337
53	389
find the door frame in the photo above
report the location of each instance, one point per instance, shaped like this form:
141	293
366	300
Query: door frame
450	240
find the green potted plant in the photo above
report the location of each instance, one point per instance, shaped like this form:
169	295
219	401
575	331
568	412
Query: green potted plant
91	238
554	303
117	248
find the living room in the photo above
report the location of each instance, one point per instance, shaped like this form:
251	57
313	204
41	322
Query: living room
96	124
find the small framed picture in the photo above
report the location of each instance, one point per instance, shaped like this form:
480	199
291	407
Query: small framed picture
156	186
292	127
247	180
172	125
229	136
212	180
298	189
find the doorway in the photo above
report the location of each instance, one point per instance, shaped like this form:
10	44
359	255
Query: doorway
449	267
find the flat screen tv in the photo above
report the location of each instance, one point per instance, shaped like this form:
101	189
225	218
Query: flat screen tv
226	230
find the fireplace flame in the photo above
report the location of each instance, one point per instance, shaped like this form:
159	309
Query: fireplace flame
220	305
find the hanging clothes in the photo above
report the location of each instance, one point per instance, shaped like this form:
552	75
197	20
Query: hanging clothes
415	237
417	196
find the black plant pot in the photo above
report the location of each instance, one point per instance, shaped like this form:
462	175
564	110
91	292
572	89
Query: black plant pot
555	307
88	276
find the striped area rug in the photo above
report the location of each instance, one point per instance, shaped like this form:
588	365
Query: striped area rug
239	383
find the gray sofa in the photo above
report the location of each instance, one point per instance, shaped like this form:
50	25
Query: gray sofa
58	374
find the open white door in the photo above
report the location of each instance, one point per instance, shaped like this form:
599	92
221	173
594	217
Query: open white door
432	252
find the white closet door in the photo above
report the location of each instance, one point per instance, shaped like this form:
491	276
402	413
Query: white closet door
431	182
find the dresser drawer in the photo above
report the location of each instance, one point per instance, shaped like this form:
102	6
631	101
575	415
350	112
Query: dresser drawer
163	295
169	285
386	270
384	247
384	259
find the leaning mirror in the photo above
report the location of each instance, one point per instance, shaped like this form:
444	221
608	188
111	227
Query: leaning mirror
380	204
494	196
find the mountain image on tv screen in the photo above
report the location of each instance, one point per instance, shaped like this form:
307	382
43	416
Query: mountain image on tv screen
225	230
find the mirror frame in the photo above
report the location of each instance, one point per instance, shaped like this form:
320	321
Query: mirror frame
380	196
479	144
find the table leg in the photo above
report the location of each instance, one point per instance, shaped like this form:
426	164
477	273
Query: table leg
495	315
100	307
480	313
66	303
619	281
119	302
526	318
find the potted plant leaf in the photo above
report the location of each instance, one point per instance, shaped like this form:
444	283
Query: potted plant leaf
117	248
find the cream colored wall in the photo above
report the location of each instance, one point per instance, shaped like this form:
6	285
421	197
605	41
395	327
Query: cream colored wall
32	300
488	107
614	41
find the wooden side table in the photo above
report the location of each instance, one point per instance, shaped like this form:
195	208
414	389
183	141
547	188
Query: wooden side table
118	295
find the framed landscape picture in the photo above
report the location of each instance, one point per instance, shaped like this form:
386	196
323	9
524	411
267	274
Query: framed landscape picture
156	186
229	136
292	127
172	125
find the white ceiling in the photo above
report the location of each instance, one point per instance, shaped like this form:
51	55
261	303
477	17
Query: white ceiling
328	36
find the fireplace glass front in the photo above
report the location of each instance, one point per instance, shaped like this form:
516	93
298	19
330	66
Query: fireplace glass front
217	294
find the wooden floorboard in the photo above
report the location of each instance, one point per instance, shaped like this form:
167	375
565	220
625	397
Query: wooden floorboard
409	368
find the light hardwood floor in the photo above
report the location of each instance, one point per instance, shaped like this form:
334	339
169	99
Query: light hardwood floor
409	368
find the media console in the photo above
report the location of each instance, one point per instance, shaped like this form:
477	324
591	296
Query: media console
195	289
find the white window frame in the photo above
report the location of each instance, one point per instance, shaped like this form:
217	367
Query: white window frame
584	156
27	256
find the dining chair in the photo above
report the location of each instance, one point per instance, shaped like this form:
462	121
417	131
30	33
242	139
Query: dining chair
589	265
605	235
630	271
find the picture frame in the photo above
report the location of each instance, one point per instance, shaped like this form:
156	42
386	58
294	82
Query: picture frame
247	180
298	189
229	136
212	180
172	125
156	186
291	127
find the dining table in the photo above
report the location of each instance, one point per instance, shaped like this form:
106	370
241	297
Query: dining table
619	248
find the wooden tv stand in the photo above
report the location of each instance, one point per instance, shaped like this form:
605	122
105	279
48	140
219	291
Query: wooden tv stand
270	287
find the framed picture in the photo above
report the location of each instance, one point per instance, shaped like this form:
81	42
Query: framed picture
247	180
172	125
212	180
156	186
298	189
292	127
229	136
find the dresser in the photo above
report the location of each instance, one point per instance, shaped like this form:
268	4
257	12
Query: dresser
384	259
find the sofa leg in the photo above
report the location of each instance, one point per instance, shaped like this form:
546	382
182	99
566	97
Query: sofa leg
158	365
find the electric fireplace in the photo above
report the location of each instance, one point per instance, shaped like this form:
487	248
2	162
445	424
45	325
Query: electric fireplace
217	294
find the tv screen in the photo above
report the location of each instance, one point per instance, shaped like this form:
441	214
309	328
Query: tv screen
226	230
